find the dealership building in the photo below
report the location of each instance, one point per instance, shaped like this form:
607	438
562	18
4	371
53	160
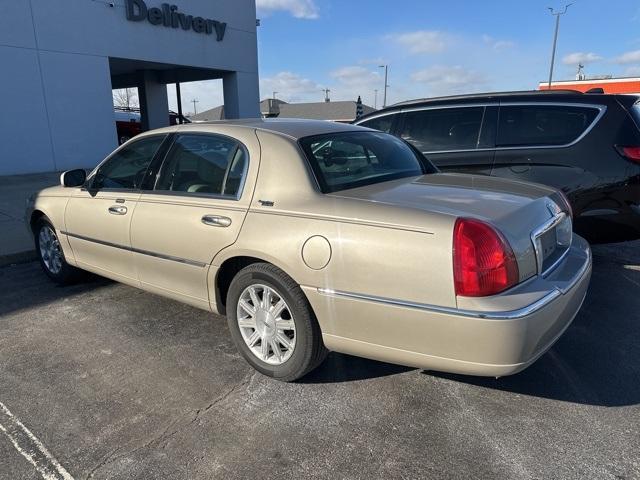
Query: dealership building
61	61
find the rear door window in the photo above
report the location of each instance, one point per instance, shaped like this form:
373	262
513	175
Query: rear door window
203	164
536	125
443	129
383	123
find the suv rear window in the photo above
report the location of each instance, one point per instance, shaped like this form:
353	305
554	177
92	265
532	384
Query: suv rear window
355	159
443	129
531	125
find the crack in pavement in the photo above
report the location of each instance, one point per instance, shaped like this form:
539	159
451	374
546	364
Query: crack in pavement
164	436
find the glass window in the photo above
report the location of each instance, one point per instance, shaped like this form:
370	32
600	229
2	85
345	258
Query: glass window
354	159
524	125
380	123
203	164
127	167
443	129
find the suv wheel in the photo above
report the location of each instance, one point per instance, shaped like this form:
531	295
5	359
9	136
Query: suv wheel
272	324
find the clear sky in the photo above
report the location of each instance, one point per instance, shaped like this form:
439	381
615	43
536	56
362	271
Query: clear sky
432	47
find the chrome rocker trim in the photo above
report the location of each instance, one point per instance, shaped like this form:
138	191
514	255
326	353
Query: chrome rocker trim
137	250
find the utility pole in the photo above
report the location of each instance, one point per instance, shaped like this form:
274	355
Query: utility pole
326	94
195	110
386	76
375	101
555	37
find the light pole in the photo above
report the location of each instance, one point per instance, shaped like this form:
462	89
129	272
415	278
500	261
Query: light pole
375	102
386	76
274	95
555	37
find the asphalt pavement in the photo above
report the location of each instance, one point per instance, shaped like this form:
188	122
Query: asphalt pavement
116	383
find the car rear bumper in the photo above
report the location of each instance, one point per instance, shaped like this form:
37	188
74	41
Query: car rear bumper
495	336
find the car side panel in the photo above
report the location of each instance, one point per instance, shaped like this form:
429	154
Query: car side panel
363	259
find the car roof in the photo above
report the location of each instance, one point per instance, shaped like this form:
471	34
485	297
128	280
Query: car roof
291	127
569	96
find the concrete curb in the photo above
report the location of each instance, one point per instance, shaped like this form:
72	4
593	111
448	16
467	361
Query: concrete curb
19	257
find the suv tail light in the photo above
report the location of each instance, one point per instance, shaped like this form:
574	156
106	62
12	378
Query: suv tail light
483	261
632	153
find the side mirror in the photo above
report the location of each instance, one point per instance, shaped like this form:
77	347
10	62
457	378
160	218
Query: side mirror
73	178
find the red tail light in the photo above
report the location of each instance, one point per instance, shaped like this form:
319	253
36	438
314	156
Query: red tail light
632	153
483	261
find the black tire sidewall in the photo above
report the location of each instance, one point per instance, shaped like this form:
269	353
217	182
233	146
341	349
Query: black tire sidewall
300	360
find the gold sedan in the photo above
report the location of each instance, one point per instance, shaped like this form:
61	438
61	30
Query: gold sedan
313	236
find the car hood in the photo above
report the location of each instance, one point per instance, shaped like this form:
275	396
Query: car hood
488	198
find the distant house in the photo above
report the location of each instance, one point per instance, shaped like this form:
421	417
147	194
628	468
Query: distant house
340	111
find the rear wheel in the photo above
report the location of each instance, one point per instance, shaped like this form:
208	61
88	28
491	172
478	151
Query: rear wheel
51	255
272	323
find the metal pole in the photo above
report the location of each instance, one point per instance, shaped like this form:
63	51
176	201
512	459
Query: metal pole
553	50
179	99
555	39
386	76
386	84
375	102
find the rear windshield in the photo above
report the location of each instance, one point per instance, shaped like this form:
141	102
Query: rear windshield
355	159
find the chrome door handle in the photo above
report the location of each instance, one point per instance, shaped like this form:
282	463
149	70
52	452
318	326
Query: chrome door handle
117	210
216	221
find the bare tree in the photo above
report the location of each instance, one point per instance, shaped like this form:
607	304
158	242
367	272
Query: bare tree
125	97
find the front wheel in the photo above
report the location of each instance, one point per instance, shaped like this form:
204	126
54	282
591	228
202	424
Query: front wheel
51	255
272	323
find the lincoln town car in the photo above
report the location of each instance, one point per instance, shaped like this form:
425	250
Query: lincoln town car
314	236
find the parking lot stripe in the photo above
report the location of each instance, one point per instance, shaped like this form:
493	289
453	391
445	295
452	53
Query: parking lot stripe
30	447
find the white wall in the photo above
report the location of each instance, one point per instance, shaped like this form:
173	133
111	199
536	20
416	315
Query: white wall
80	108
25	142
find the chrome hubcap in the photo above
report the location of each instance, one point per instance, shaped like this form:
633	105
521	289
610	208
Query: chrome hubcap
50	250
266	324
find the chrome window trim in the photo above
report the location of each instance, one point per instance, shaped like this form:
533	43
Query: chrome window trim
601	108
137	250
137	138
549	297
217	196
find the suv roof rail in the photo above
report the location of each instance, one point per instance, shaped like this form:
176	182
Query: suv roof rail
489	94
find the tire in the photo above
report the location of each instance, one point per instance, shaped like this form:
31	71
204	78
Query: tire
294	323
51	256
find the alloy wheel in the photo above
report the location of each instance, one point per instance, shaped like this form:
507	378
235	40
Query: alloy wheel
50	249
266	324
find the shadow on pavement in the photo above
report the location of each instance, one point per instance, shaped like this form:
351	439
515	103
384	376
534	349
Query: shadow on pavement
597	361
346	368
26	285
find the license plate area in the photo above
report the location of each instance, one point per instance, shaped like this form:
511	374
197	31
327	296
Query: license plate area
552	241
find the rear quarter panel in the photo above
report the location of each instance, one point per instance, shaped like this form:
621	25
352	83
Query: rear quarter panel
375	250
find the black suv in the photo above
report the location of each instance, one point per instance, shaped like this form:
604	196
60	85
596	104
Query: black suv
587	145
